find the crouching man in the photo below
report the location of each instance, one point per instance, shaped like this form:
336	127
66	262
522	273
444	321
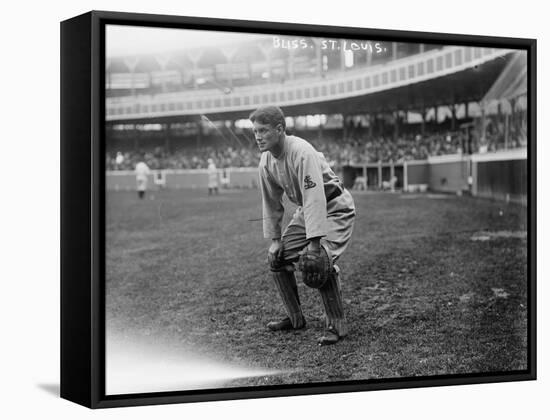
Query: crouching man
320	229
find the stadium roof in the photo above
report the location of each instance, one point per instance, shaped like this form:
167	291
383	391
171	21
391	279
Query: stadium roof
512	82
464	86
468	85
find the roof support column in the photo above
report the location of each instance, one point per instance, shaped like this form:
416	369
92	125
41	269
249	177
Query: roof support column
167	138
199	132
506	130
423	122
371	124
396	125
379	174
320	129
482	135
500	119
138	134
344	126
453	116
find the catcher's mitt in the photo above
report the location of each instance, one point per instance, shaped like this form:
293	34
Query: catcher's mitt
315	267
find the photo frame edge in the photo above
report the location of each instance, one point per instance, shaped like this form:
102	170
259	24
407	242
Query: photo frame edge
82	312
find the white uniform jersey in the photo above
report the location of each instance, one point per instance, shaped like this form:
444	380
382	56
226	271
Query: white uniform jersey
142	170
307	179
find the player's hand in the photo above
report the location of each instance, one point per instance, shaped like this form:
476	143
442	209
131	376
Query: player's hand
314	246
275	253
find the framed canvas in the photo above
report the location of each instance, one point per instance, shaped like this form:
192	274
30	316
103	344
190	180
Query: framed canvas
258	209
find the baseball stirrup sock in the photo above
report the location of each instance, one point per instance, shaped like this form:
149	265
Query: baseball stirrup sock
286	284
334	308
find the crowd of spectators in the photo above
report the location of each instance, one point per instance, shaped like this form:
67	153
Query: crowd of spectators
186	158
495	138
359	150
338	152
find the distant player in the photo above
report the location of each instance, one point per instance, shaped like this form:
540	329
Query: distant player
320	229
142	171
212	177
119	160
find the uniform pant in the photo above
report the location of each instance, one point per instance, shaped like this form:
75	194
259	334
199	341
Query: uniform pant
340	218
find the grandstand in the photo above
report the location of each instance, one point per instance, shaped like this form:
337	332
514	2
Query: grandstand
375	109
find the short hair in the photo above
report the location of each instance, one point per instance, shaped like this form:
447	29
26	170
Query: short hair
269	114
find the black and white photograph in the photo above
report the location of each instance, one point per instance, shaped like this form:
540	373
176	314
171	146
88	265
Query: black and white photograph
245	210
299	210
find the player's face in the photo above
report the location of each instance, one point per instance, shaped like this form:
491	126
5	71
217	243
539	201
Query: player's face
267	137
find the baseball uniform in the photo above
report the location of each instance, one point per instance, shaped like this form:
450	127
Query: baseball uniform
142	171
212	177
325	210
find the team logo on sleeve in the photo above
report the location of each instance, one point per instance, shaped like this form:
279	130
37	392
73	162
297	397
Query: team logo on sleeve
308	183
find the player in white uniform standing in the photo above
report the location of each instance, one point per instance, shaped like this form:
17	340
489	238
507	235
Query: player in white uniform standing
320	229
212	177
142	171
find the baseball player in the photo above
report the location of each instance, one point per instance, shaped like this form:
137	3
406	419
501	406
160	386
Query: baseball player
320	229
142	171
212	177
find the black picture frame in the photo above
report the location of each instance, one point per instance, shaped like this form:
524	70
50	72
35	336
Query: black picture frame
83	209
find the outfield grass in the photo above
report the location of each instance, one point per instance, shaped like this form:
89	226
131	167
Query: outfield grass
432	285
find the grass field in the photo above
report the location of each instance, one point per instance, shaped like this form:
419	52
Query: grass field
432	285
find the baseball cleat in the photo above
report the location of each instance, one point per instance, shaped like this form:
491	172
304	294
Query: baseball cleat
330	337
285	324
